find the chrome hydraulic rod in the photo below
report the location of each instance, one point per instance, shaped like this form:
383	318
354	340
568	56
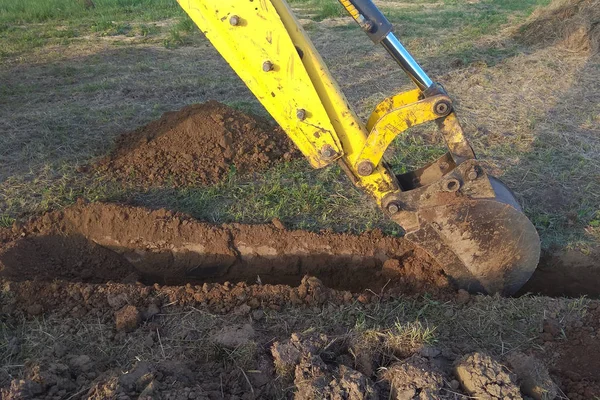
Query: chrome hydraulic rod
406	61
379	30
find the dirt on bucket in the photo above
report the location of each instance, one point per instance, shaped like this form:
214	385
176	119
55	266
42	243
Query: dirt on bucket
197	145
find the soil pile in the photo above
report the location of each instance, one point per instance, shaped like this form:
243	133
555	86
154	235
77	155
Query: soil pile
574	24
200	144
108	242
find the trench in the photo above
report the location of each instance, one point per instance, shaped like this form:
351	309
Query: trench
102	243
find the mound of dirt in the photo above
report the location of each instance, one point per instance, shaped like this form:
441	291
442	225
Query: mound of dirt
200	144
107	242
574	24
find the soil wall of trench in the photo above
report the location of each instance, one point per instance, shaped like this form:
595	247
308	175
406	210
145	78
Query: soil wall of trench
98	243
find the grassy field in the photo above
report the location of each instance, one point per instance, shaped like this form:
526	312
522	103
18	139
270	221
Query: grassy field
76	74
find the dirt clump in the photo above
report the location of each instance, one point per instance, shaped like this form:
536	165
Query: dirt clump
573	24
482	376
533	376
414	378
288	354
234	336
199	144
313	362
21	389
127	318
315	380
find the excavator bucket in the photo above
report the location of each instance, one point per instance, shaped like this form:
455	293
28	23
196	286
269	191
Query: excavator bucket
468	221
484	245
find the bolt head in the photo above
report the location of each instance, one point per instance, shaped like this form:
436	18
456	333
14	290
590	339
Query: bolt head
327	151
365	168
444	165
472	175
267	66
442	108
234	20
301	114
393	208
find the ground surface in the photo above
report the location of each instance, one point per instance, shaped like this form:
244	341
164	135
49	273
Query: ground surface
172	296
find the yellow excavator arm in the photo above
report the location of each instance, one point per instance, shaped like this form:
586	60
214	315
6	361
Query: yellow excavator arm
467	220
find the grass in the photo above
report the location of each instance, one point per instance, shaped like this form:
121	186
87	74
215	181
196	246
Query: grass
33	24
67	93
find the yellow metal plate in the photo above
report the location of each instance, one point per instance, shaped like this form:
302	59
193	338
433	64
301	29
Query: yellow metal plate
260	37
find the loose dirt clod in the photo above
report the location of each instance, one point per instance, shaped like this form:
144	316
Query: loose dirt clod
315	380
127	318
533	376
482	376
234	336
287	355
574	24
414	378
200	144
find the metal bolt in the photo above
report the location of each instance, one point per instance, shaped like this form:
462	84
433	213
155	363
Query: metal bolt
442	108
301	114
472	174
234	20
444	165
365	168
327	151
267	66
393	208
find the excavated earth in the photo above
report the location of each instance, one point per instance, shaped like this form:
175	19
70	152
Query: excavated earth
111	275
199	144
100	242
106	301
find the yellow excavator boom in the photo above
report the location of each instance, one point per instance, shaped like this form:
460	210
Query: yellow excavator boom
450	207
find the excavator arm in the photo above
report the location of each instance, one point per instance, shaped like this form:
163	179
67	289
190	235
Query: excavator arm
465	219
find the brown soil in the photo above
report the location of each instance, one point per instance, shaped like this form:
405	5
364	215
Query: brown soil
483	377
107	242
574	24
199	144
575	355
567	273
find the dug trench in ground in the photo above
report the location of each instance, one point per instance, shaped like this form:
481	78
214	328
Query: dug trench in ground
102	242
107	242
76	339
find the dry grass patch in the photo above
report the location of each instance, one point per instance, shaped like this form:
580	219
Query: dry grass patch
574	24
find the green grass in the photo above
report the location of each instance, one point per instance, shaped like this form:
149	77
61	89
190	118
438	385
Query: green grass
32	24
39	11
63	112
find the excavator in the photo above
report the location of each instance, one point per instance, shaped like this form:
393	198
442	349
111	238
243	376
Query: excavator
467	220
